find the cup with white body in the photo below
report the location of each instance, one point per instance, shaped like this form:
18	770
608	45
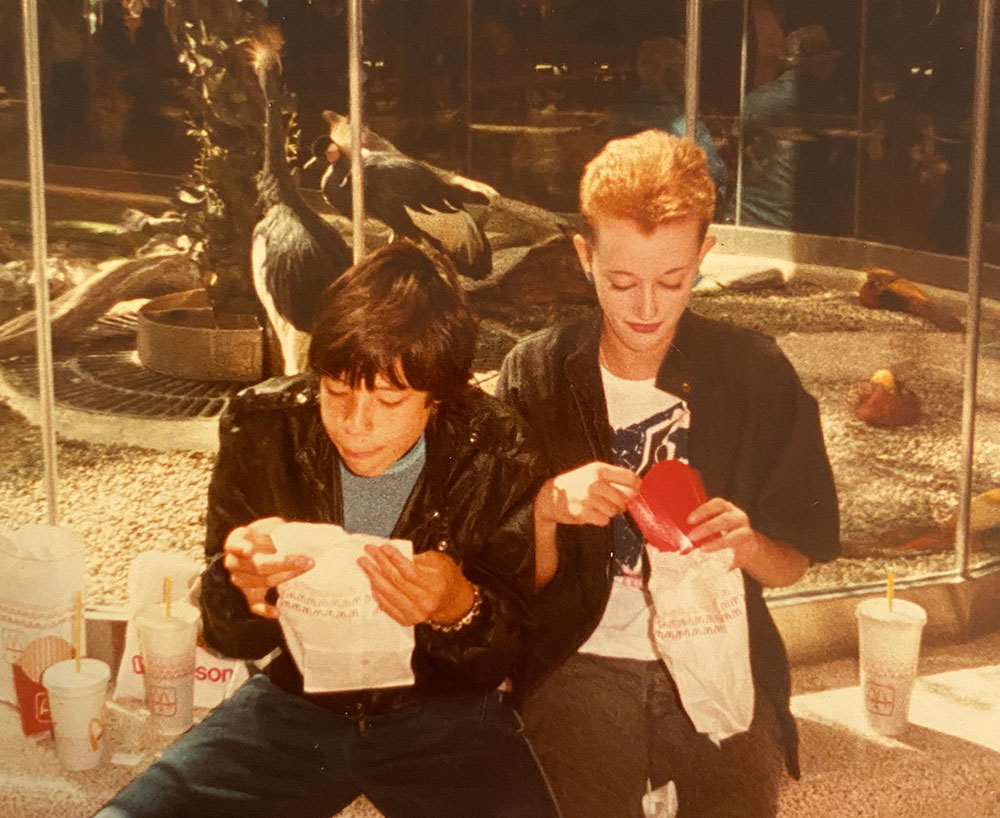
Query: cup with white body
168	659
76	702
888	647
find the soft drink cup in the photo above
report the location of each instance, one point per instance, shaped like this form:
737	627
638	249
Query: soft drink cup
76	701
888	648
168	646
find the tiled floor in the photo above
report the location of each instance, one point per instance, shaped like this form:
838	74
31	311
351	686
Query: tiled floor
946	763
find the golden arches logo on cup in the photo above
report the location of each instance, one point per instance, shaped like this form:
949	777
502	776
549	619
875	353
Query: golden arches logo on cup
161	700
95	731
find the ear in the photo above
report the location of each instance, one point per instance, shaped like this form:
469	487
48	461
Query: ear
582	247
706	245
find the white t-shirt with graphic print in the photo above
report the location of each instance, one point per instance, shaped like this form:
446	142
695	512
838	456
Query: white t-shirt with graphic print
648	425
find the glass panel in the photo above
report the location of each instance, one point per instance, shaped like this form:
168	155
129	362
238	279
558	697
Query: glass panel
920	66
800	125
985	511
22	477
150	493
550	82
984	521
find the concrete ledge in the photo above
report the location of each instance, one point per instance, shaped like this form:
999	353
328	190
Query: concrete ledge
823	627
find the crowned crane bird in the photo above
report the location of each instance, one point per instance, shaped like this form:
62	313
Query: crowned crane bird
295	253
408	195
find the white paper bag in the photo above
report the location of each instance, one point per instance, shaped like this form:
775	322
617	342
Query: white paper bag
215	677
42	568
337	635
700	631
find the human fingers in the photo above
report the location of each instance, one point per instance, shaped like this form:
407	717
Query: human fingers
253	538
254	589
396	568
239	543
390	597
277	569
716	517
258	604
390	607
270	569
611	496
245	573
571	510
627	479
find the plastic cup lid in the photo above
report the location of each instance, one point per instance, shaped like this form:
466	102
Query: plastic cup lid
62	676
903	612
182	614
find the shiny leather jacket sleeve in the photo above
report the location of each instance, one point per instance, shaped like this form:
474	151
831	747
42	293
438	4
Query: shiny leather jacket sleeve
229	626
490	481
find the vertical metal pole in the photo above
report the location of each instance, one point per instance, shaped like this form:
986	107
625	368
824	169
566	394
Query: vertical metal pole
977	194
740	135
863	97
357	127
39	246
692	66
467	113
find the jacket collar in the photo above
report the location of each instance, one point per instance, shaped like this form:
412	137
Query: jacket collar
583	374
678	369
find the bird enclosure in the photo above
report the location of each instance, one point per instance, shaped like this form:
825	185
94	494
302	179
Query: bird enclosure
197	169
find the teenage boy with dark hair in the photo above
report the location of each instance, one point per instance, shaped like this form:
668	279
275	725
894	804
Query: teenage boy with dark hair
385	437
644	381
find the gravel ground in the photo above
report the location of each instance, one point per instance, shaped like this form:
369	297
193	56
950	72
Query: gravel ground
124	500
893	485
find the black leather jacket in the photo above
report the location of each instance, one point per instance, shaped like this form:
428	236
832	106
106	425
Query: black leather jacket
473	501
755	437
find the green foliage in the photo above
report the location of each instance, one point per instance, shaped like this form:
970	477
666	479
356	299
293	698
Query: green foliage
225	117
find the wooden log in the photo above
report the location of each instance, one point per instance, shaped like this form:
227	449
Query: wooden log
78	308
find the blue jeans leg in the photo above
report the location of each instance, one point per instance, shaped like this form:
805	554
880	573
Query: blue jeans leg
262	753
461	756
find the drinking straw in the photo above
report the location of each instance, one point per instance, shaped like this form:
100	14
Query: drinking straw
77	626
889	589
167	584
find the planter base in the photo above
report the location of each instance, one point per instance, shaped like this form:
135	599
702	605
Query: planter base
180	335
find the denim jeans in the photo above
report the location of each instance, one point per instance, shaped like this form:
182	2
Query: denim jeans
271	754
602	727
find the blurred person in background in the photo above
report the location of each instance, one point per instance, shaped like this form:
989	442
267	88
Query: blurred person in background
791	158
658	102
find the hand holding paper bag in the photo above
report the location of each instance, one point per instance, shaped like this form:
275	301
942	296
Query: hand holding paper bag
431	586
700	622
255	566
333	626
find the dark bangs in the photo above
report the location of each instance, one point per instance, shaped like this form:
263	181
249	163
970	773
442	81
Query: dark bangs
400	308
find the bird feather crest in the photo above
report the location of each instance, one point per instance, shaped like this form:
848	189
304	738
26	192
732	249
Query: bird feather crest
265	48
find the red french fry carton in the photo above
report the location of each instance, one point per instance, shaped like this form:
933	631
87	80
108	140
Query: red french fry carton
669	492
32	699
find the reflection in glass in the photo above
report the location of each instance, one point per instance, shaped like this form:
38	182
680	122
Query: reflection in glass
916	166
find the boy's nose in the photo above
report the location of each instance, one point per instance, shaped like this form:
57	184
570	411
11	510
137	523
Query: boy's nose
357	414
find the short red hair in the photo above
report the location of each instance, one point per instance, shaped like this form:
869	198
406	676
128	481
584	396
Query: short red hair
649	178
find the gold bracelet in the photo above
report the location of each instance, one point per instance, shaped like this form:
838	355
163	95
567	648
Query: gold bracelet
473	612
